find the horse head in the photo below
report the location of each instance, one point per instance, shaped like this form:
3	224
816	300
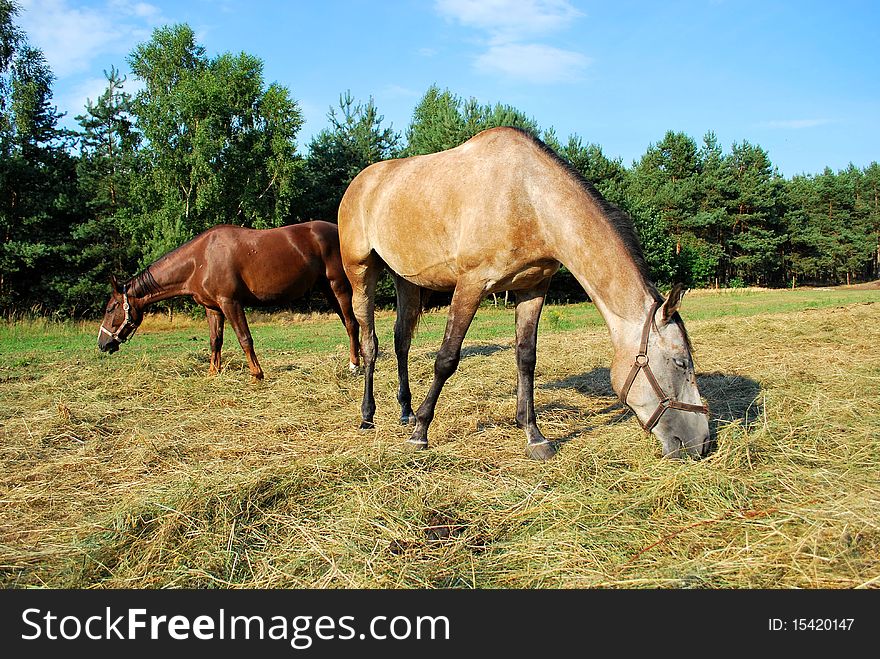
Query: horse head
659	384
122	316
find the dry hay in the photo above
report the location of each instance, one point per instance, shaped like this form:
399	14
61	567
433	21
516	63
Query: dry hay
146	473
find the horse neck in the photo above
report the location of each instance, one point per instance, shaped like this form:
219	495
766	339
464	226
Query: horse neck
593	250
170	277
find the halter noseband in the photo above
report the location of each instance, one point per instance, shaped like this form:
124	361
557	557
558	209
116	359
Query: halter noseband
641	364
128	321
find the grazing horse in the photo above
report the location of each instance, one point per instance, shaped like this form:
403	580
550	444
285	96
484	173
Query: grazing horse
228	267
502	212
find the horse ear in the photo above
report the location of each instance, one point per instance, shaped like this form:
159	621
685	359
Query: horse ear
114	284
673	301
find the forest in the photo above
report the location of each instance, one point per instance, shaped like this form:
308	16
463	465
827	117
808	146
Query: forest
205	140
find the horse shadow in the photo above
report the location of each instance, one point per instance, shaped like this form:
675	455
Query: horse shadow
482	350
477	350
731	399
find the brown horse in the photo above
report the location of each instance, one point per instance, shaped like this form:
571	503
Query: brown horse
502	212
228	267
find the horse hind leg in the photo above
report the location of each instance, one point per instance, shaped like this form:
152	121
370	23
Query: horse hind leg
465	301
235	313
409	308
215	326
528	312
338	293
364	276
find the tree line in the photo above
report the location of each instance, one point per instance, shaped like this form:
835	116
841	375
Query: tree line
206	141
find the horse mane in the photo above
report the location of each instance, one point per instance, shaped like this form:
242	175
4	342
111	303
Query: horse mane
619	220
142	284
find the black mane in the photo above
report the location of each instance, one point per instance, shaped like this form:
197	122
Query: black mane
142	284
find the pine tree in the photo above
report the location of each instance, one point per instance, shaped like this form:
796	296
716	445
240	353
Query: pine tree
107	171
441	120
354	140
38	198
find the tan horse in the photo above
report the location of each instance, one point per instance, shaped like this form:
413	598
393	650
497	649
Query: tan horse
228	267
502	212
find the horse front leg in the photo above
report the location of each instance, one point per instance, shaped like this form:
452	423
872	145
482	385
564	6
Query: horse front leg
465	301
235	313
528	312
215	326
409	308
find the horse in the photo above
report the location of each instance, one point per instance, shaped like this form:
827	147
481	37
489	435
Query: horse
227	267
501	212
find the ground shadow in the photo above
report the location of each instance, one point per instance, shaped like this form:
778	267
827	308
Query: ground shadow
483	350
477	351
731	398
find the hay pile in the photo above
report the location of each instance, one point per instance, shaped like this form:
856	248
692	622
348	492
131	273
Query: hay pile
140	471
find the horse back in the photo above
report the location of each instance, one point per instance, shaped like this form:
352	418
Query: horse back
265	266
470	211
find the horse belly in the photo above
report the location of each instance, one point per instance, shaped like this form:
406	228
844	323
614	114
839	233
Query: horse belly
524	279
279	290
275	278
434	269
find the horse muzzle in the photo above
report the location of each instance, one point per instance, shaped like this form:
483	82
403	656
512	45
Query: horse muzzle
110	346
677	448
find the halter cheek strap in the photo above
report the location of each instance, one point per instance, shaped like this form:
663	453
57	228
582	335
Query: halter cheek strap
641	364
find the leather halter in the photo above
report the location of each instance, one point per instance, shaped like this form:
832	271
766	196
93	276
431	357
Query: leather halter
641	364
126	306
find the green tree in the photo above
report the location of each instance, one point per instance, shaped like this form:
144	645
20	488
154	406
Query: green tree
37	176
220	146
666	179
753	209
705	251
607	175
107	171
664	185
441	120
871	197
354	140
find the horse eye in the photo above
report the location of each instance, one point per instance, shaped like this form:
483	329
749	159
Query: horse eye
679	362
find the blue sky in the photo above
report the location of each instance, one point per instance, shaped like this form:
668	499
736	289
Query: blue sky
801	79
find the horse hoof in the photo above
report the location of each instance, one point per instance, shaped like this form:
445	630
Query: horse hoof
418	444
408	420
367	425
353	368
541	450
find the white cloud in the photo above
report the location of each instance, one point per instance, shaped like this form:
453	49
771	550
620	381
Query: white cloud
88	89
510	20
511	28
140	9
795	124
532	62
71	37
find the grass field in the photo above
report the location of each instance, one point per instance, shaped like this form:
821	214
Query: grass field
138	470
